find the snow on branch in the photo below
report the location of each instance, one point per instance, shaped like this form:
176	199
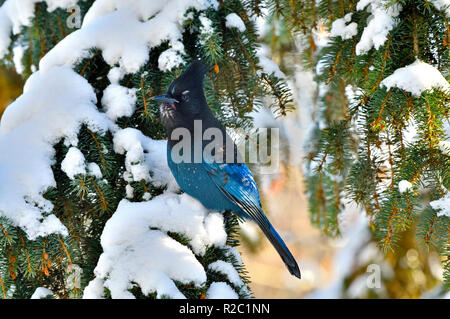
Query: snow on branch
53	107
416	78
442	205
133	143
344	28
267	65
234	21
380	23
443	5
221	290
134	252
124	32
15	14
41	293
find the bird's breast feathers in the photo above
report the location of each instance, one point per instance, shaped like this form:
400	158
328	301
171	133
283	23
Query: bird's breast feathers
167	112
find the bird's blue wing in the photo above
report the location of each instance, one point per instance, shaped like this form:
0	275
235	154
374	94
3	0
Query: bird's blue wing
237	183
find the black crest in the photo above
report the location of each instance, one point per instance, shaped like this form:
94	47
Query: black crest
191	79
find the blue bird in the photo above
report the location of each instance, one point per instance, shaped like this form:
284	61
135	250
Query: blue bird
220	181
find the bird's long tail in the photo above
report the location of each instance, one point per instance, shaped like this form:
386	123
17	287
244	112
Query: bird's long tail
279	245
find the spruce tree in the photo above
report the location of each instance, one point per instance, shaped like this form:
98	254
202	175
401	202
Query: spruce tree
106	167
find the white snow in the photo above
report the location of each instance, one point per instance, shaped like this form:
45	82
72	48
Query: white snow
172	57
182	214
380	23
95	289
228	270
416	78
444	146
52	108
132	251
73	280
207	28
118	101
74	163
146	196
18	52
268	66
234	252
115	75
123	32
234	21
5	31
148	258
129	191
221	290
15	14
133	143
41	293
404	186
94	170
443	5
98	9
342	28
442	205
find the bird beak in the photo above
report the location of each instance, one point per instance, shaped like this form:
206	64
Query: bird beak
165	99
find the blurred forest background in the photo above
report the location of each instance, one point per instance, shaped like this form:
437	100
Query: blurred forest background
331	267
10	87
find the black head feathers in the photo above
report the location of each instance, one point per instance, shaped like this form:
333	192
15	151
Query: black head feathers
191	79
185	99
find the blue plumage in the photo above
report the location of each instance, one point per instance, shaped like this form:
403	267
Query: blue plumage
195	181
217	185
214	183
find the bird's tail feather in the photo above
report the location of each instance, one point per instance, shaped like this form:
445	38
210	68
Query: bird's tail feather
281	247
256	214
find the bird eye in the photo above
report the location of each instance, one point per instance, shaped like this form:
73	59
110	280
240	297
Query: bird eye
185	96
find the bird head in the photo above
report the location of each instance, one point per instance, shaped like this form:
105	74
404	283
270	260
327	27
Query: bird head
185	96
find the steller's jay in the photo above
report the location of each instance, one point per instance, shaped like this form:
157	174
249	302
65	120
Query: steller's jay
220	181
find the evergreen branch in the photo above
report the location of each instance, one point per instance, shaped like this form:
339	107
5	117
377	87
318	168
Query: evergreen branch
100	153
2	285
88	62
65	250
429	234
6	233
104	202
